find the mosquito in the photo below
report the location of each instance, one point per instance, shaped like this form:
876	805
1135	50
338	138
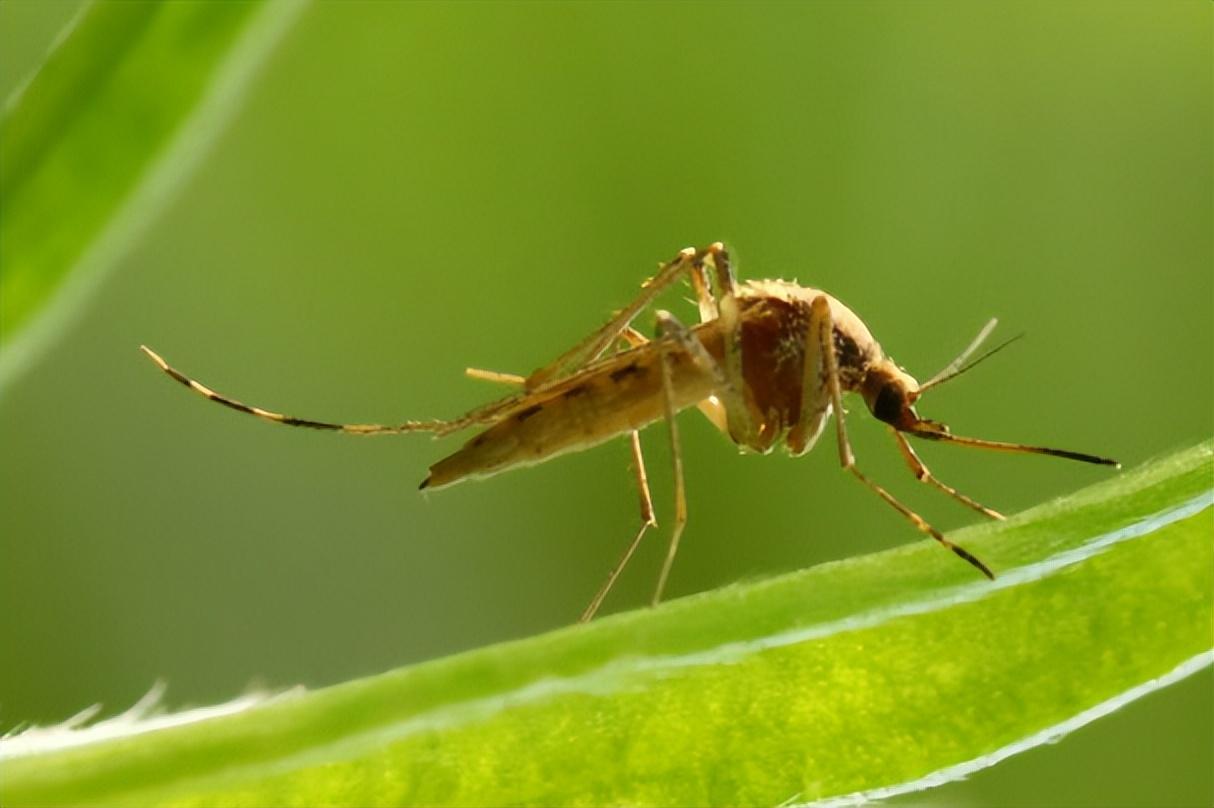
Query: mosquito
769	361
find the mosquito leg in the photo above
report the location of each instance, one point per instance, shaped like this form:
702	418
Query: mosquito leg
481	415
740	422
922	525
647	521
288	420
669	326
922	474
594	345
633	338
821	324
495	377
705	301
710	407
815	394
629	336
688	260
590	348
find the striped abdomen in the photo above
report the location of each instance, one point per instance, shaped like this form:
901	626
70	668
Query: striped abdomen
610	397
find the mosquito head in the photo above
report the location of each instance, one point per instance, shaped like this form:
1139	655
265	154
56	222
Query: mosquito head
889	391
891	394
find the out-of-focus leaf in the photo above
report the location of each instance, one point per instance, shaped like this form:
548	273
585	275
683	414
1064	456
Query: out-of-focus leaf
99	138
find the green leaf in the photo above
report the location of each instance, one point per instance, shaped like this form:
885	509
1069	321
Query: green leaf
881	674
96	142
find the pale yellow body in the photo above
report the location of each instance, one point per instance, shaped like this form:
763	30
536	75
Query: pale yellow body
623	392
611	397
769	363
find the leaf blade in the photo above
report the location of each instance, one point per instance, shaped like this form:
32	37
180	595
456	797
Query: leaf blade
851	677
99	138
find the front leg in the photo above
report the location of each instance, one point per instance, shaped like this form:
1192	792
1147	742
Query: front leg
744	429
822	330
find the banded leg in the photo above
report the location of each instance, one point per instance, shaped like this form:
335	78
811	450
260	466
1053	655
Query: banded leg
822	327
923	474
484	414
647	521
593	346
289	420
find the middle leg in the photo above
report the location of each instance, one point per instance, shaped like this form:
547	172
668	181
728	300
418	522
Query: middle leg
676	341
630	337
668	325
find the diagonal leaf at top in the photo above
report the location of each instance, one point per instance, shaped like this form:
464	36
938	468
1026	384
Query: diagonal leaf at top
99	138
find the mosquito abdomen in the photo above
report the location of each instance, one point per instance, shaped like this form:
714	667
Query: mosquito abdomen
611	398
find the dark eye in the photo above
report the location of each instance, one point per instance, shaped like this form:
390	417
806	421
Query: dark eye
889	404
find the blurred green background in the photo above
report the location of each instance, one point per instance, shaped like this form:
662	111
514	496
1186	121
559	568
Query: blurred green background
409	189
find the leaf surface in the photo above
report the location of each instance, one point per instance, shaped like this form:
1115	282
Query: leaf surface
876	675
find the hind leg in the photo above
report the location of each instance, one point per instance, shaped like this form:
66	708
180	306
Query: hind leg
688	261
647	521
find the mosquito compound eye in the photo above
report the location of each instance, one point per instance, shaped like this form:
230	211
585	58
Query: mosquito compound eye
889	404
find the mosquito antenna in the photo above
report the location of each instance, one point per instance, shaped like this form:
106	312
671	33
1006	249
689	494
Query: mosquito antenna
953	367
958	366
939	433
